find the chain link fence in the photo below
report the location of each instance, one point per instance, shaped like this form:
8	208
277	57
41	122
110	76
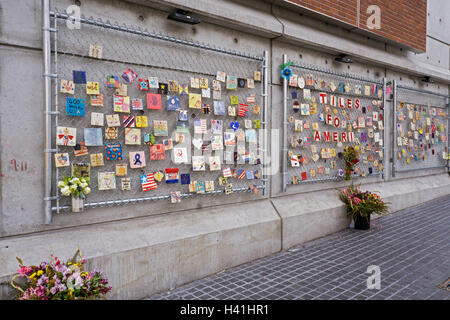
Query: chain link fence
420	139
325	111
167	58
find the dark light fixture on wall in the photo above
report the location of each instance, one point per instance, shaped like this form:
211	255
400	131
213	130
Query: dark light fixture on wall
343	58
184	17
427	79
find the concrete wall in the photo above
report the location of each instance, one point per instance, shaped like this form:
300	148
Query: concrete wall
154	246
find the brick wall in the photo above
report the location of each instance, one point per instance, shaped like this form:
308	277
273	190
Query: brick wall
402	21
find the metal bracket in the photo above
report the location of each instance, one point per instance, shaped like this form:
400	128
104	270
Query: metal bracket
52	112
50	29
51	198
50	75
50	150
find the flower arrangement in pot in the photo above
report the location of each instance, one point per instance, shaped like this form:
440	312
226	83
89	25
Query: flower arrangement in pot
57	280
351	157
78	188
360	205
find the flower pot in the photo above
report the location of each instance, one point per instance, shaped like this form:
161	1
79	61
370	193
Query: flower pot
77	204
362	223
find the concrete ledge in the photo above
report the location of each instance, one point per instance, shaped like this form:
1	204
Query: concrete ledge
309	216
147	255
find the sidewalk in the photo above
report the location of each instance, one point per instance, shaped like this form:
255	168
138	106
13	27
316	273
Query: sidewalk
411	247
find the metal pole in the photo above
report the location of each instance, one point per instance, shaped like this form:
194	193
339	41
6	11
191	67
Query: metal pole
284	158
47	105
394	133
383	175
265	117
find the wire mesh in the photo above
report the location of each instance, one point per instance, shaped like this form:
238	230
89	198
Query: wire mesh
167	58
421	129
305	130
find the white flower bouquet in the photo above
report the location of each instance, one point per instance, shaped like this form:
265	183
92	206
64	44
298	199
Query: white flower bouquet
77	187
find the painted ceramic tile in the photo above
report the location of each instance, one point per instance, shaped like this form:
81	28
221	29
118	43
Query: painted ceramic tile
112	82
195	83
129	121
242	82
209	185
137	159
122	90
198	163
125	184
157	152
66	136
217	142
216	126
154	101
216	85
81	170
206	93
200	126
97	100
97	119
113	151
231	83
67	86
203	83
143	84
183	89
168	144
93	137
121	169
180	155
129	75
112	120
80	150
121	104
106	181
221	76
160	128
79	77
97	160
175	196
137	104
92	87
62	160
173	86
257	75
195	100
132	136
217	95
250	83
148	182
153	82
141	122
243	110
75	107
219	108
214	163
163	88
173	103
172	175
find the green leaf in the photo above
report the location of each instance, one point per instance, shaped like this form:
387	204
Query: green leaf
20	261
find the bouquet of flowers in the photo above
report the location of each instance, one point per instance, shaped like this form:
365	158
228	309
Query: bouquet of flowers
362	203
77	187
56	280
351	158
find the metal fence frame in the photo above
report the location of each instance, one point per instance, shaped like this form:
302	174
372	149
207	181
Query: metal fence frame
396	88
344	76
51	119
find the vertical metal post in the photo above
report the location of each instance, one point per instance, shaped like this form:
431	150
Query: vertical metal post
394	132
265	118
383	175
284	149
47	114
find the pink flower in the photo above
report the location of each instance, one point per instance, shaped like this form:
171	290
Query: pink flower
356	200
